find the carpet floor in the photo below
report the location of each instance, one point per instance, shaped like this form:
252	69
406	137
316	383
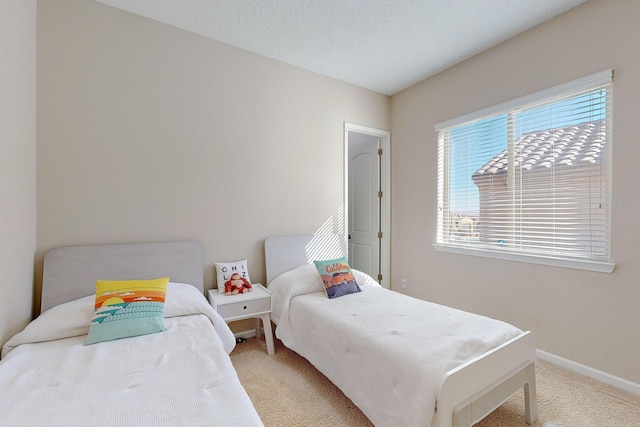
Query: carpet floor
288	391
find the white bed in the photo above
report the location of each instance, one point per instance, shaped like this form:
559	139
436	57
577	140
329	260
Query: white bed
180	377
401	360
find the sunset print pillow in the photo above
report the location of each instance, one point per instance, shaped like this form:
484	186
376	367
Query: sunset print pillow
127	308
337	277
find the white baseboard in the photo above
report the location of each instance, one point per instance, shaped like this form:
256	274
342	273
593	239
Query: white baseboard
601	376
250	333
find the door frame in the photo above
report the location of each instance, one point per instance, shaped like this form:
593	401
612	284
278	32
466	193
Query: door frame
385	182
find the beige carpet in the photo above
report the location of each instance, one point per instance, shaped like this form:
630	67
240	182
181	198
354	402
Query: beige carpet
288	391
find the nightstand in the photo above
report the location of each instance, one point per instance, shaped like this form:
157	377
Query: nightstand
254	304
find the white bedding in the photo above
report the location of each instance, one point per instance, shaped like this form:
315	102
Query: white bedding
387	352
180	377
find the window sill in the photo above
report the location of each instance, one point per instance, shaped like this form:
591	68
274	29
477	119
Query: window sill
602	267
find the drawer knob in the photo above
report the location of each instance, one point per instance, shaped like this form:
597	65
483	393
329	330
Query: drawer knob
245	307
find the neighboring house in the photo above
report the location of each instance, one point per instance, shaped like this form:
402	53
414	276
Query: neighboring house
571	157
463	226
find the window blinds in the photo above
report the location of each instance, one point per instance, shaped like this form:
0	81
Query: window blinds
532	175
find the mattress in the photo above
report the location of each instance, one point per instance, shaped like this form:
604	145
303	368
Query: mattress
180	377
389	353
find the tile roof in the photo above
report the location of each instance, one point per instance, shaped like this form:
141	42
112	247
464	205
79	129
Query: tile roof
566	146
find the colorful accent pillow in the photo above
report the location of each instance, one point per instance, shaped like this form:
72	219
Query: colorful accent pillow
127	308
225	271
337	277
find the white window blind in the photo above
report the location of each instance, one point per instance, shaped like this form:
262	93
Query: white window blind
530	176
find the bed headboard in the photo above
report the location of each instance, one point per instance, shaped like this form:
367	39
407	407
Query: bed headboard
284	253
71	272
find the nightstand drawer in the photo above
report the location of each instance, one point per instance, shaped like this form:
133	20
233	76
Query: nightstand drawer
243	308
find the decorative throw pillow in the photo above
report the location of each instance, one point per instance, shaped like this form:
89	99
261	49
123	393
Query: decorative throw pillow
127	308
337	277
233	276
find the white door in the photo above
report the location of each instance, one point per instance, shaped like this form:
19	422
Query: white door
364	203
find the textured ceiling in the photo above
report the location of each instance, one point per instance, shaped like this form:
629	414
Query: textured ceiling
382	45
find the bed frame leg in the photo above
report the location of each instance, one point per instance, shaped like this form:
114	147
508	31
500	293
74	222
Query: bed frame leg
480	405
530	396
462	417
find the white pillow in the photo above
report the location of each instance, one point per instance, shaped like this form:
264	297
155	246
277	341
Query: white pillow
364	279
224	270
72	319
301	280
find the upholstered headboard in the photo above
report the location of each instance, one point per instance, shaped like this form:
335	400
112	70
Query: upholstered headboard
71	272
284	253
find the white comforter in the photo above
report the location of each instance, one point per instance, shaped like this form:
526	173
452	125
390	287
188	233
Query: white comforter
387	352
180	377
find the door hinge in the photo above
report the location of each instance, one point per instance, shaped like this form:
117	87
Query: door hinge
379	151
380	194
379	234
379	277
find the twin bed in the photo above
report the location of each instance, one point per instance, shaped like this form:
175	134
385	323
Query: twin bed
180	377
402	361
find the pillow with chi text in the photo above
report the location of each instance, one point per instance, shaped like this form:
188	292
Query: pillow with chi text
233	277
337	277
127	308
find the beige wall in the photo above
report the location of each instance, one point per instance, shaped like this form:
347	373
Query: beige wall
591	318
148	133
17	163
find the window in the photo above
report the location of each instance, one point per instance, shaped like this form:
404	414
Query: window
529	179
